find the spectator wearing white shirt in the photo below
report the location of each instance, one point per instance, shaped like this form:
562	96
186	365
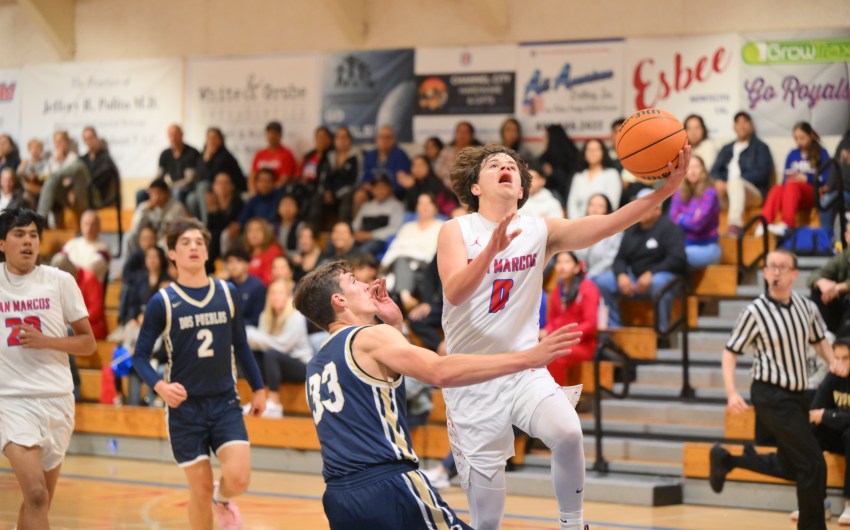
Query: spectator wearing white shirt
541	202
599	176
87	251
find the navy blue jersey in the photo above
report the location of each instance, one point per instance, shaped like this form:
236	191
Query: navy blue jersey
202	330
361	420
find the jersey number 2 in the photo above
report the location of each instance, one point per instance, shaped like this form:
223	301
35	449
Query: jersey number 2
335	399
206	338
14	337
501	293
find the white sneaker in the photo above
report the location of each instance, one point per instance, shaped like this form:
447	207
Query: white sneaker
759	230
273	410
438	478
777	229
844	518
827	513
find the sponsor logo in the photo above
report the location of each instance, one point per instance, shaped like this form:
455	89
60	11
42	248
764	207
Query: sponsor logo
796	52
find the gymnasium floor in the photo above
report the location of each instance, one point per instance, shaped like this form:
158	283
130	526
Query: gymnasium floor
104	494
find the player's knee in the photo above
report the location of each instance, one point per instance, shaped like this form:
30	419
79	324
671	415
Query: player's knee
37	497
238	482
567	439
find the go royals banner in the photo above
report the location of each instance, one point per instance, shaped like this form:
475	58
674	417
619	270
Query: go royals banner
10	106
475	84
791	77
686	76
576	84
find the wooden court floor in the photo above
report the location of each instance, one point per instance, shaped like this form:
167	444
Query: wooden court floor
104	494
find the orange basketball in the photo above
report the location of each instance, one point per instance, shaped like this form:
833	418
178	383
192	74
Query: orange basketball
648	140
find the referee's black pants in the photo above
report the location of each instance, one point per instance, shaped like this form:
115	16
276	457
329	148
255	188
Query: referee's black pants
799	457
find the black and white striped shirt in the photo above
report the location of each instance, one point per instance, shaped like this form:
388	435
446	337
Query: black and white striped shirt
780	334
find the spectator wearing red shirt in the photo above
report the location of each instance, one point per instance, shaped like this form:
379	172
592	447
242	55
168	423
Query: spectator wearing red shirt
574	300
260	243
276	157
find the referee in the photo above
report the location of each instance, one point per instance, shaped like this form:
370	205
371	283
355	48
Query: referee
779	326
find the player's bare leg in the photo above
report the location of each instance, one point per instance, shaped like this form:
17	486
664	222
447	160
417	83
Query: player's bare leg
200	478
235	462
26	463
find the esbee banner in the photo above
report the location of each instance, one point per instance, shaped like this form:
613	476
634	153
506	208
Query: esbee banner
10	105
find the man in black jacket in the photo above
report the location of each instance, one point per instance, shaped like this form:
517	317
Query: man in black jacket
830	413
652	253
103	173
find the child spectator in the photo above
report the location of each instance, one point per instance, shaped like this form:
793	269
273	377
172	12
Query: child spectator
252	291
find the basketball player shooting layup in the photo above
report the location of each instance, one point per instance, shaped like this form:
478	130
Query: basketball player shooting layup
491	265
201	323
355	390
37	303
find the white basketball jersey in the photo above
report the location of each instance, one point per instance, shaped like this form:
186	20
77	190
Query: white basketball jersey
503	314
46	298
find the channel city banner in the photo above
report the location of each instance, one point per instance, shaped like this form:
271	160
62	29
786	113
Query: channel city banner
791	77
694	75
575	84
241	95
364	90
10	107
129	103
474	84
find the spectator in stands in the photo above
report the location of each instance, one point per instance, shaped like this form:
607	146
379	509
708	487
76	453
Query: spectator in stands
379	218
422	179
134	265
559	162
281	336
510	135
464	137
742	172
282	271
92	290
67	183
412	249
432	148
342	244
308	254
364	268
214	160
598	176
830	413
701	145
387	159
575	299
252	291
263	203
34	170
612	151
141	285
696	210
830	285
425	317
262	248
104	181
541	202
287	224
652	253
178	164
829	192
779	326
158	211
316	157
335	184
87	251
9	154
224	205
11	193
800	181
599	257
275	157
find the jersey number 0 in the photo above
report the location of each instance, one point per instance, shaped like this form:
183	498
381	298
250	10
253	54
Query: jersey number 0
501	293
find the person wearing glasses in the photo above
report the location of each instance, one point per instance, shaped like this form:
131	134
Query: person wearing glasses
778	327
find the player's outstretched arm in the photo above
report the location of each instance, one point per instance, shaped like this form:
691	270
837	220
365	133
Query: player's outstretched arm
571	234
82	342
459	277
387	347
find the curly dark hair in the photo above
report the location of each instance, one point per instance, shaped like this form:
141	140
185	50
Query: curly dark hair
468	164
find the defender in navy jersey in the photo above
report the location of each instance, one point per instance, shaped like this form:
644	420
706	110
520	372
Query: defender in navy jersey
200	321
355	390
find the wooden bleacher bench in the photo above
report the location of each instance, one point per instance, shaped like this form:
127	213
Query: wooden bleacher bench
101	357
639	343
715	280
641	313
109	220
752	247
112	295
740	426
696	465
53	239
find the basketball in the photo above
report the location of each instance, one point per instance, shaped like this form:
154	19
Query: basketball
648	140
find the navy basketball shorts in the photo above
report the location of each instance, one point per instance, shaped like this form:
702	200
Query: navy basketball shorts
201	424
390	497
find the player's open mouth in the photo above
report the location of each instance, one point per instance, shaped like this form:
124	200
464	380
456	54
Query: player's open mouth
506	178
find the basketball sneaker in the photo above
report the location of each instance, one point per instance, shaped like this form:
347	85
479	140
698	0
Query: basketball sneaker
844	518
227	515
273	410
827	514
438	477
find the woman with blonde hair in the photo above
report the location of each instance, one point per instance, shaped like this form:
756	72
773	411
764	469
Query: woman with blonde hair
262	247
282	338
696	209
